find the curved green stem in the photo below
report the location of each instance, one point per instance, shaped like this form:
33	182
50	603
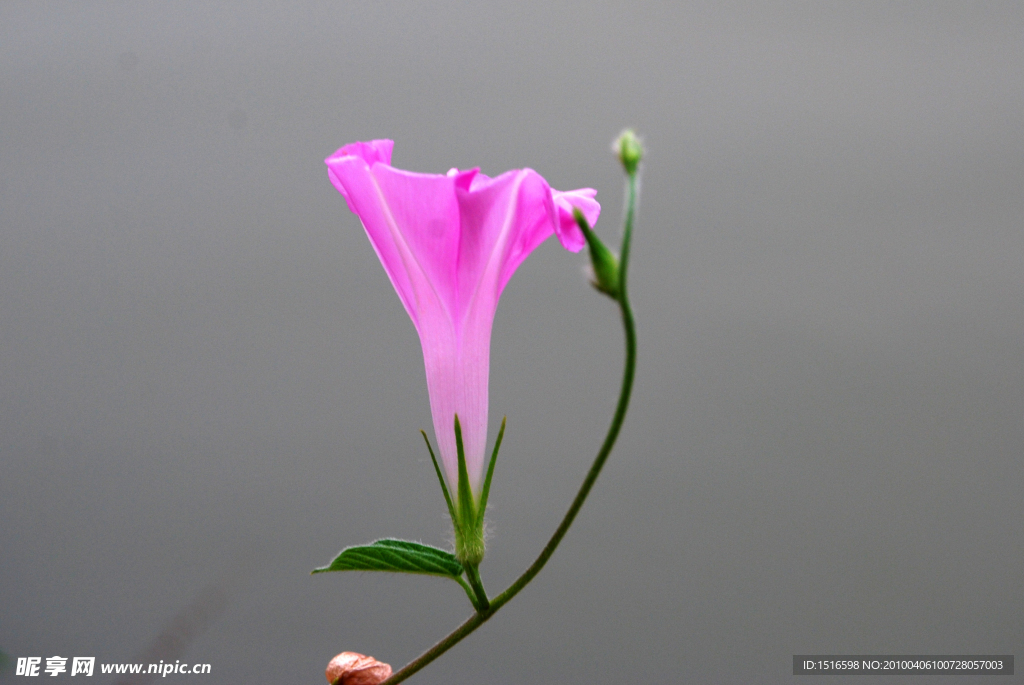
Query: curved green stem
471	624
499	601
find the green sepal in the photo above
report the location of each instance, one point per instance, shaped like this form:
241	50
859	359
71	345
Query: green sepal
469	533
440	476
465	492
397	556
490	473
605	264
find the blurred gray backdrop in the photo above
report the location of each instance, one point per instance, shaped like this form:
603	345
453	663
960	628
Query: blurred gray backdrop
208	386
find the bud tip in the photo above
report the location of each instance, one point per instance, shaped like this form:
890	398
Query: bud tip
604	265
629	149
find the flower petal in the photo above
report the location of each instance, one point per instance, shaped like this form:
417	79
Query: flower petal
503	220
371	152
423	214
569	234
450	243
412	223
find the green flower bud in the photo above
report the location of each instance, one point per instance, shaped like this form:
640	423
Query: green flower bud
605	264
629	150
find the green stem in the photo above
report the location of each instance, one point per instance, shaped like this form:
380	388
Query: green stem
469	592
482	602
499	601
471	624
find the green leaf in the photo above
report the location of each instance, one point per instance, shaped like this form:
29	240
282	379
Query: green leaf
398	556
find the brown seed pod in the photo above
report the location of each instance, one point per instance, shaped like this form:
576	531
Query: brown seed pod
352	668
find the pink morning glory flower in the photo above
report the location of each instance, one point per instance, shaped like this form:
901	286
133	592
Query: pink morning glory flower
449	243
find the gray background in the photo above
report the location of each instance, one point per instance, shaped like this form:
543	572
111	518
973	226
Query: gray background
206	380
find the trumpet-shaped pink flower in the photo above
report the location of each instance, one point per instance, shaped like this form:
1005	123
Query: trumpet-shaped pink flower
449	243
